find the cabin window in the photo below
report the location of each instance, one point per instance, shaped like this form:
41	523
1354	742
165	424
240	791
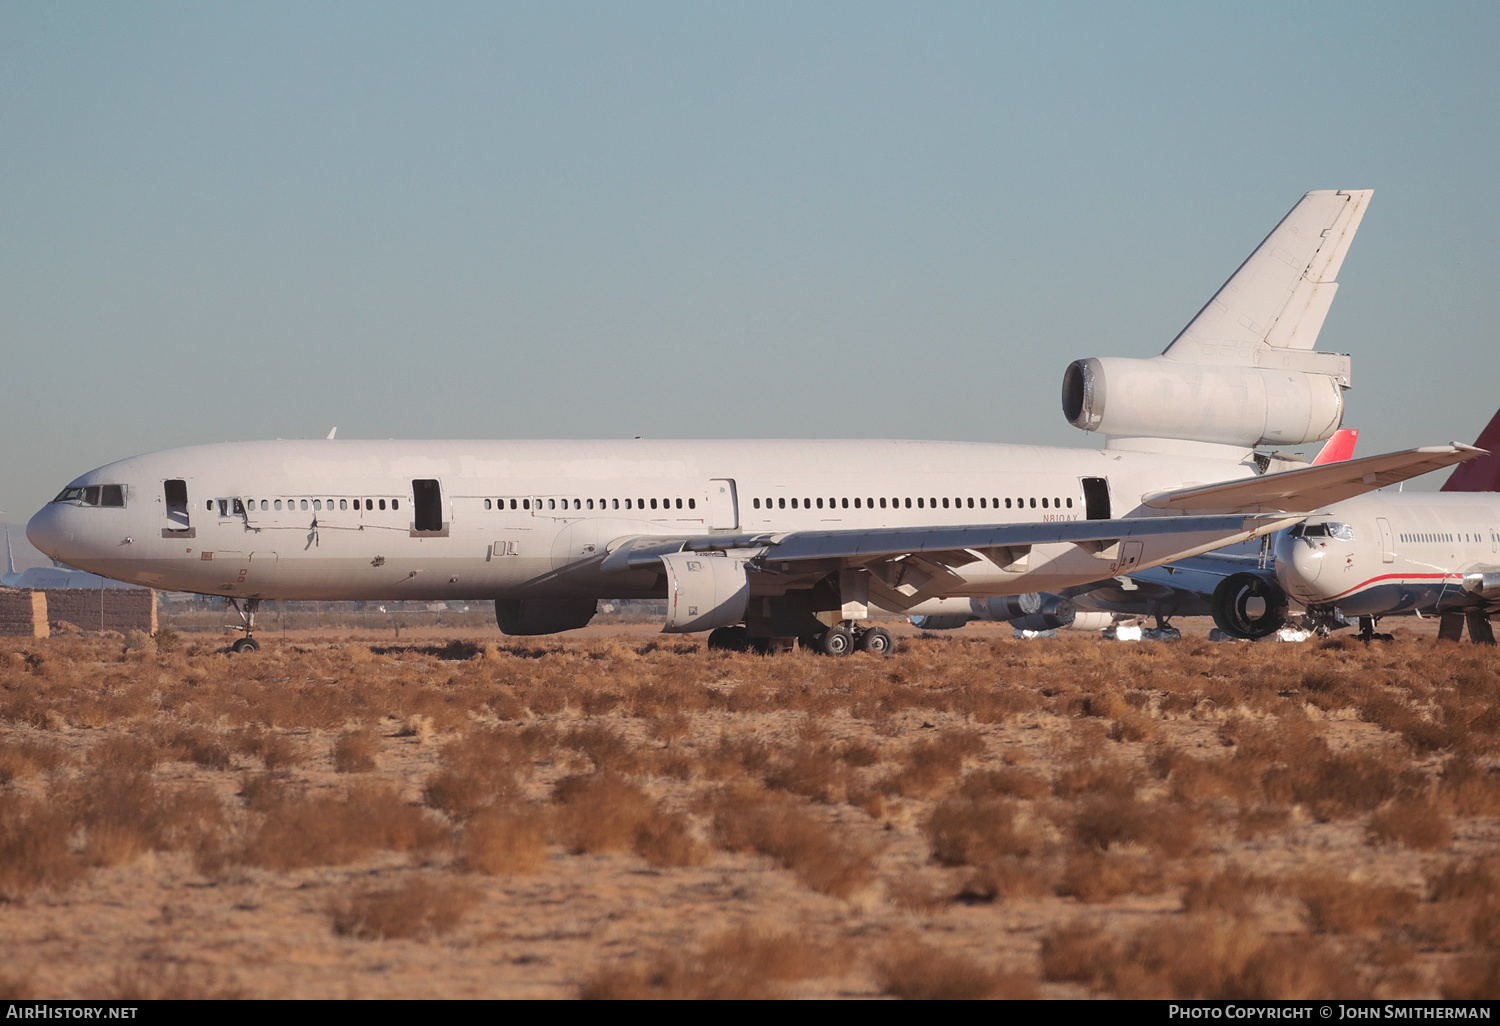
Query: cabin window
1044	504
278	503
317	504
304	504
844	503
382	504
653	503
856	503
486	503
755	503
882	502
692	504
945	502
264	505
781	504
343	504
1070	502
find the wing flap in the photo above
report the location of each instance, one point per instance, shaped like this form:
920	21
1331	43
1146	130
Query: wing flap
1309	488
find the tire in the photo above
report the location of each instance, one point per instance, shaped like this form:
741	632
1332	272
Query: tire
245	645
729	639
836	641
1234	600
878	642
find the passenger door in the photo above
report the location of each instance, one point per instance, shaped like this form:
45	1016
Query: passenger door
1387	540
723	505
175	496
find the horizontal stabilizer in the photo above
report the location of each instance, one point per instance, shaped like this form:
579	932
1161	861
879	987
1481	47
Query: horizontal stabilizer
1310	488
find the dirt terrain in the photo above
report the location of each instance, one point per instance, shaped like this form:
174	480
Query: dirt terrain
617	813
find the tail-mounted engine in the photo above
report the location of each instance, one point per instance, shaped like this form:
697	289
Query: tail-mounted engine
1245	406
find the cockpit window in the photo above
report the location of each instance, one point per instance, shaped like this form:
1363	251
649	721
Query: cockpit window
1330	529
94	495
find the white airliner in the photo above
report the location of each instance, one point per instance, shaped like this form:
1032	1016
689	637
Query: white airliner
768	541
1433	554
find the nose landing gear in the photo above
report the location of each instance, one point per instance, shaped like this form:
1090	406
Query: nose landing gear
246	624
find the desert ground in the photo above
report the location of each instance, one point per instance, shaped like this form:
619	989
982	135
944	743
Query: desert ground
618	813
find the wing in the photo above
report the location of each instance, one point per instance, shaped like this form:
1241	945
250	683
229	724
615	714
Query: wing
910	565
1310	488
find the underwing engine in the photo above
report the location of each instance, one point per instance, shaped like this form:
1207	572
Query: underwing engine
543	616
1249	606
1034	611
704	591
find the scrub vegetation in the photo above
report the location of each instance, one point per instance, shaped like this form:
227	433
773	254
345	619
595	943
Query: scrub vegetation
621	815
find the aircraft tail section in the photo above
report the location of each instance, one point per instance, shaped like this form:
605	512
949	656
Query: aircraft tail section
1272	308
1243	373
1338	448
11	577
1483	474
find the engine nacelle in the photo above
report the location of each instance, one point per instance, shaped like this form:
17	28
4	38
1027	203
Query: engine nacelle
704	591
1486	586
940	622
1249	606
1036	611
543	616
1161	398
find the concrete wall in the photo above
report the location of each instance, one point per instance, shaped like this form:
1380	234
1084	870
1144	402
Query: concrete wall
23	614
110	609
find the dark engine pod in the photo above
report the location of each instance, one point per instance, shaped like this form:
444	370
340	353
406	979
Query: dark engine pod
1035	611
543	616
1249	606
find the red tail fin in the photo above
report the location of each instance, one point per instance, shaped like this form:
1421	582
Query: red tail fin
1483	474
1338	448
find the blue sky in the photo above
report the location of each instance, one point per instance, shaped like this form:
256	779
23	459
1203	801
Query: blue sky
243	221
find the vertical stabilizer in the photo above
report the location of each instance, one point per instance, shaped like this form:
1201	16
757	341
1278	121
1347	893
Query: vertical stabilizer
1272	309
1338	448
10	578
1483	474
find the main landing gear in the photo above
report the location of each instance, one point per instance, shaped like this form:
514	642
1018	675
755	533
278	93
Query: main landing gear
846	637
838	640
246	624
1367	630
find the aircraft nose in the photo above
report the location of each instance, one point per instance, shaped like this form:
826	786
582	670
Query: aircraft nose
48	532
1307	560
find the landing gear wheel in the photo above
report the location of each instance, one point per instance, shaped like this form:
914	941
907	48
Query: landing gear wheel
245	645
836	641
877	641
729	639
